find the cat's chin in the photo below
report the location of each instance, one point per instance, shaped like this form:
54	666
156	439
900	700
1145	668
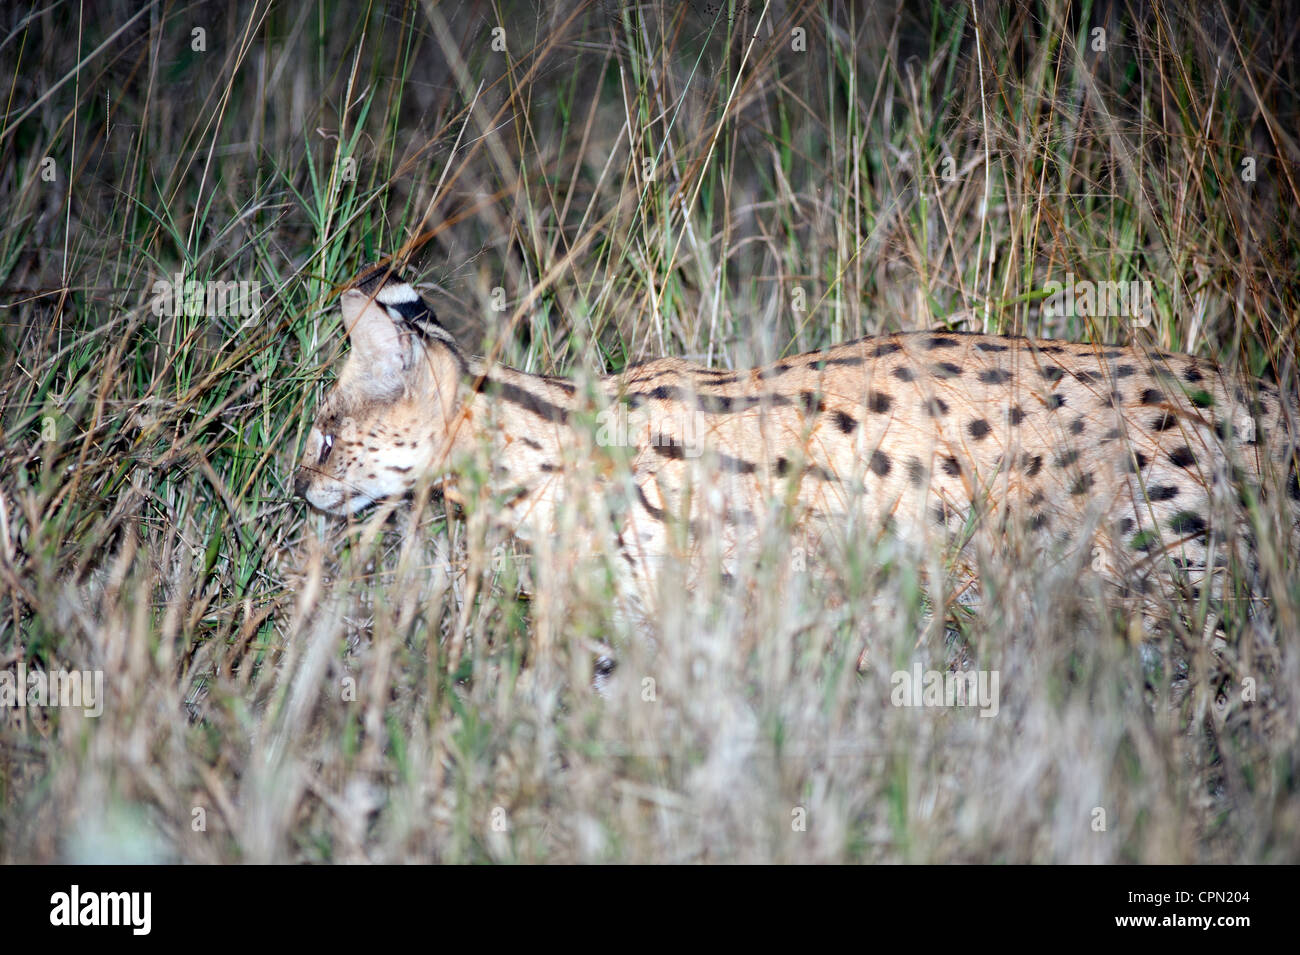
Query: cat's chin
337	505
353	505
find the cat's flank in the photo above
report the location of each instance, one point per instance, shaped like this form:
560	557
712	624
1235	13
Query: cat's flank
1134	456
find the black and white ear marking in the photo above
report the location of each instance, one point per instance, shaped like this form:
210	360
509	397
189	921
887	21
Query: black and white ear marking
406	307
384	315
397	292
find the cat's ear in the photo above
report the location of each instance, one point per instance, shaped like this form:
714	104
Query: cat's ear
379	348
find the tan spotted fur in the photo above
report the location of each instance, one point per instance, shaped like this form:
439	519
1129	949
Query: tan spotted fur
921	436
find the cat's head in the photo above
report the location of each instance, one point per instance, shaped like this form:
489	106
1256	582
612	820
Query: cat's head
386	421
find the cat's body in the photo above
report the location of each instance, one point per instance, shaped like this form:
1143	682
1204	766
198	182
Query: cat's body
1133	456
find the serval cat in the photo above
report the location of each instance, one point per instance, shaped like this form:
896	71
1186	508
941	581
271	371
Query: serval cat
920	435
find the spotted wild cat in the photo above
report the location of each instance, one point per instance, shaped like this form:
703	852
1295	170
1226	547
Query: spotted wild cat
1135	456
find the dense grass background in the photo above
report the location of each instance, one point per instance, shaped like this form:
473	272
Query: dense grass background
592	184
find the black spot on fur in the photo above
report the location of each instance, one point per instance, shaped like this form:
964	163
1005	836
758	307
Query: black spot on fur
780	368
1081	484
1055	401
880	463
1182	457
1124	371
941	342
812	402
524	399
888	348
1187	523
951	466
990	346
979	428
945	370
1152	397
1136	462
994	376
845	422
915	471
1031	465
716	404
1161	492
935	407
1076	426
1144	541
1065	459
1052	372
670	449
879	402
903	373
655	512
1164	422
1015	415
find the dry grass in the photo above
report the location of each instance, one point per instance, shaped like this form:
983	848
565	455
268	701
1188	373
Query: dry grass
621	182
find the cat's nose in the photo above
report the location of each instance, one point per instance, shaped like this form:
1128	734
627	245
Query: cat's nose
300	484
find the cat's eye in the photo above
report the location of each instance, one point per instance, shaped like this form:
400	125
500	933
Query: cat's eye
326	446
